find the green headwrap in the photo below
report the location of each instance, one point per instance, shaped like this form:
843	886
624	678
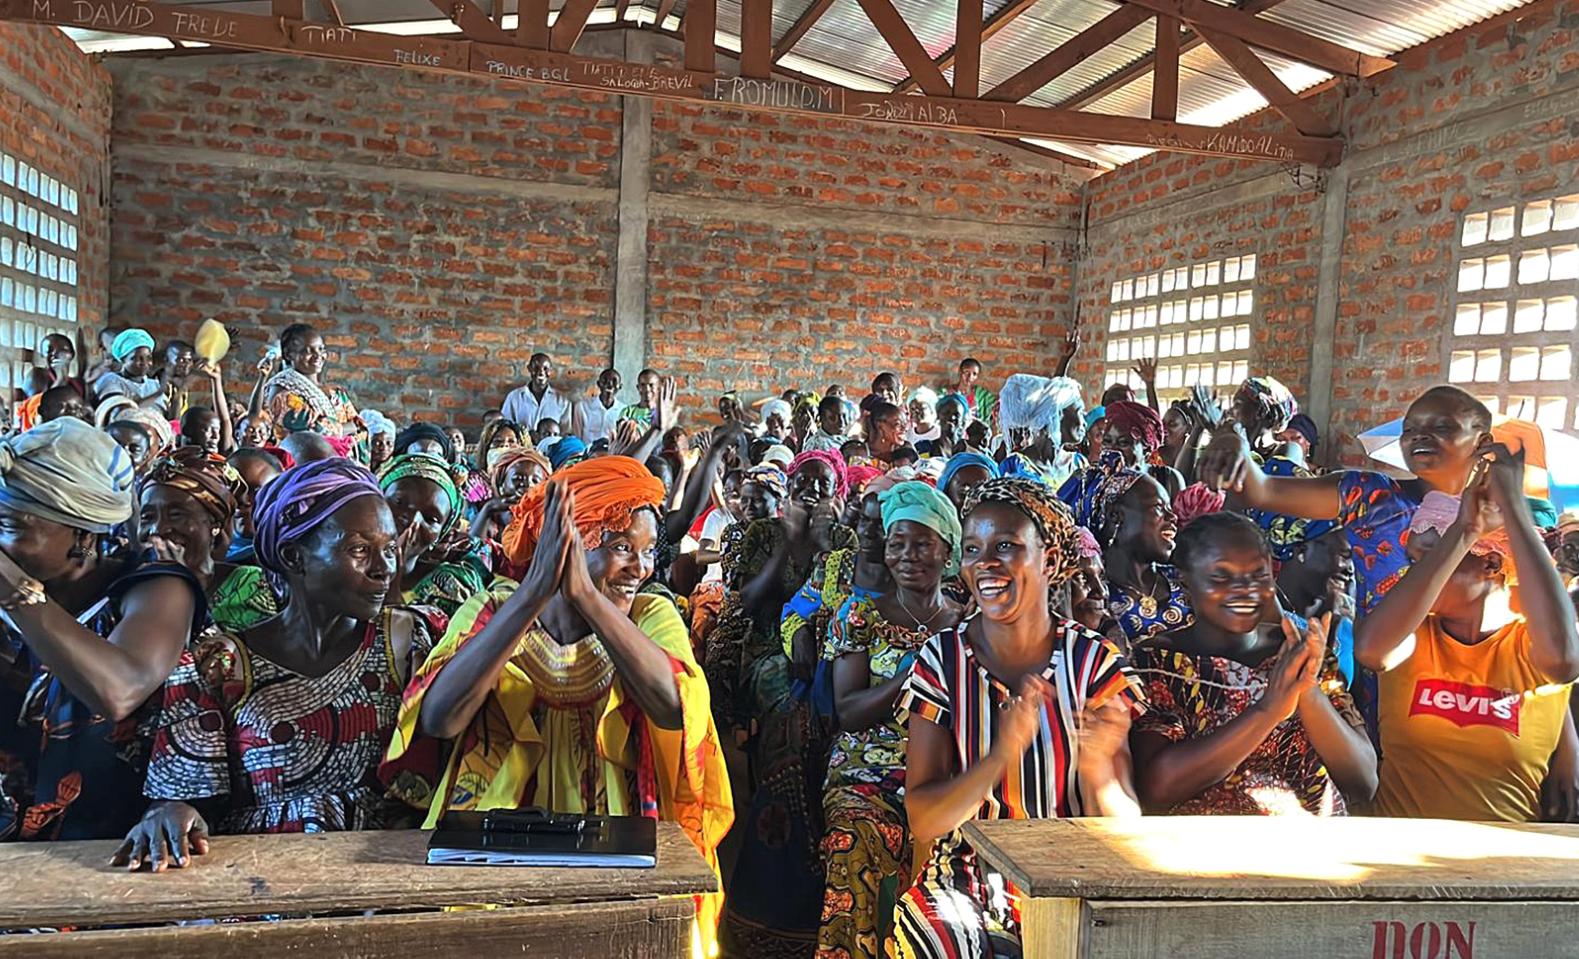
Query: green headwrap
426	467
920	503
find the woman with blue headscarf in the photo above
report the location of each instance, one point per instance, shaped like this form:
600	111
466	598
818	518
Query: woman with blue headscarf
280	727
88	636
872	642
133	353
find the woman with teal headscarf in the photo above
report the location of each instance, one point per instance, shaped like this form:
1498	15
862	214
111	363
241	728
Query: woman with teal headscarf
441	566
872	643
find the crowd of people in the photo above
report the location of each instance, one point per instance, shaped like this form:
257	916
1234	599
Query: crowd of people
820	633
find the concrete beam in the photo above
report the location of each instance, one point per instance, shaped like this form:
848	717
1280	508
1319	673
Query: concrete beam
630	265
1323	342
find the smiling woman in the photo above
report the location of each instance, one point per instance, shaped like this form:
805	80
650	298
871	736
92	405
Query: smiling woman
296	396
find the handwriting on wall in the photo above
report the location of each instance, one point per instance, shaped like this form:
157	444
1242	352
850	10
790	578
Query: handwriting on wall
908	109
100	15
636	77
518	71
1235	143
320	34
783	94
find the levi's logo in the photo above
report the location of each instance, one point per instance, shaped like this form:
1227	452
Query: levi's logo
1464	705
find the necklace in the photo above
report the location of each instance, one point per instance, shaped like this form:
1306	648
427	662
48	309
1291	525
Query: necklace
1147	601
920	623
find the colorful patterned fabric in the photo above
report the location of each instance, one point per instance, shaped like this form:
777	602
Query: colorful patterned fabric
1191	697
949	687
296	403
833	459
1273	403
865	845
66	772
560	731
205	477
1375	510
1051	517
1137	420
830	585
243	599
451	583
67	472
983	404
1287	533
608	490
1142	617
279	751
435	471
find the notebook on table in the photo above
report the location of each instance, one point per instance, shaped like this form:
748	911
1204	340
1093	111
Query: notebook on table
531	837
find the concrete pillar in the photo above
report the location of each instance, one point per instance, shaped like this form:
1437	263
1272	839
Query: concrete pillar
1323	345
630	270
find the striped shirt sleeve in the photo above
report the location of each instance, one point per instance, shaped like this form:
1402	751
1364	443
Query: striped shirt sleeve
1104	674
926	691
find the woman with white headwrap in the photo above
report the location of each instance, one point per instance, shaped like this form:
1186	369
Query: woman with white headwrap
133	351
1033	410
87	637
777	416
923	419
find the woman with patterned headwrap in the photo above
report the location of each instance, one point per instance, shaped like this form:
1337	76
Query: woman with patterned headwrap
774	895
1133	520
188	500
1263	407
872	641
297	398
1016	714
89	636
440	564
570	689
281	727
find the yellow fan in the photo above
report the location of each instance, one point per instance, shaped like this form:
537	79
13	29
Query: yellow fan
212	341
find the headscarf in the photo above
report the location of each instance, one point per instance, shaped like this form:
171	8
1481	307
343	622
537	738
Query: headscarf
500	461
1095	415
1089	547
954	398
1306	427
777	406
1271	400
1050	516
568	448
1105	503
959	461
779	454
158	426
925	395
109	410
1139	421
1037	402
417	432
607	490
861	477
808	402
128	342
377	423
1543	512
205	477
1196	501
930	468
769	476
429	467
918	502
835	461
67	472
1439	510
298	501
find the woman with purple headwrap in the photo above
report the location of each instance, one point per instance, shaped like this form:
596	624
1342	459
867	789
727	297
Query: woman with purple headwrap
280	727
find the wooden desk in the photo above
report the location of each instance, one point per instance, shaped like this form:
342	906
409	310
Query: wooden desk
345	894
1232	887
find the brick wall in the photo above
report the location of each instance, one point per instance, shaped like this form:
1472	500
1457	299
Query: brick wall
55	116
1477	116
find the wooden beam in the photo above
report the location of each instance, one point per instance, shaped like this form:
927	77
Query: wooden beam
665	7
967	40
290	9
473	22
756	38
1260	76
334	11
620	6
1295	44
1009	13
1129	74
572	21
701	33
1165	74
606	76
1069	53
903	42
531	24
799	28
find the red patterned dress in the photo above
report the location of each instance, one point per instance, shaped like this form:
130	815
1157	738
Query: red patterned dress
278	751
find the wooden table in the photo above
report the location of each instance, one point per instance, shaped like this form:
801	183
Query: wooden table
1234	887
362	894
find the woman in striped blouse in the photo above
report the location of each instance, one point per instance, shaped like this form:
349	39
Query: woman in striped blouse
1013	715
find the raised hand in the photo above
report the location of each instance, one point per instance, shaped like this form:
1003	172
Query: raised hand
1479	513
1504	471
1294	671
1226	459
1146	369
667	412
627	436
547	571
1071	343
1205	408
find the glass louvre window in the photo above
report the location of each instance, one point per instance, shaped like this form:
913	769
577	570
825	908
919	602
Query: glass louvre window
1515	311
1193	320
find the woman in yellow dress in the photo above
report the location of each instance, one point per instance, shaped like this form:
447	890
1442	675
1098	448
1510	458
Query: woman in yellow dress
570	690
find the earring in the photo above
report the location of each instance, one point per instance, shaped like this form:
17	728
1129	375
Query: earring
78	552
215	532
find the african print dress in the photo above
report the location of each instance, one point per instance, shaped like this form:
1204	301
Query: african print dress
1192	696
865	843
1139	618
1286	533
955	909
277	751
66	772
559	731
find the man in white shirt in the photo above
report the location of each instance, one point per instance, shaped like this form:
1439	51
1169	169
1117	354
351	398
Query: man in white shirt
536	400
595	416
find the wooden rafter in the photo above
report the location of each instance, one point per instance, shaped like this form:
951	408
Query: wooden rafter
967	40
1299	112
903	42
756	38
472	21
531	24
572	21
620	6
1009	13
513	63
290	9
1069	53
334	11
1291	43
1124	76
665	7
701	34
1165	75
800	28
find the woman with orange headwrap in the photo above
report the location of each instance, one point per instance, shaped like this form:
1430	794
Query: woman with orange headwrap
570	690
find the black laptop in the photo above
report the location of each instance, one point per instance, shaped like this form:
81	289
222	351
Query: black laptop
533	837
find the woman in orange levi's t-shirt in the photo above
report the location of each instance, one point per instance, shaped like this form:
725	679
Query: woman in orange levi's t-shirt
1473	697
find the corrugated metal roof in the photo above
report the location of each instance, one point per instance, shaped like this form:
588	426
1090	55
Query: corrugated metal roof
844	43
